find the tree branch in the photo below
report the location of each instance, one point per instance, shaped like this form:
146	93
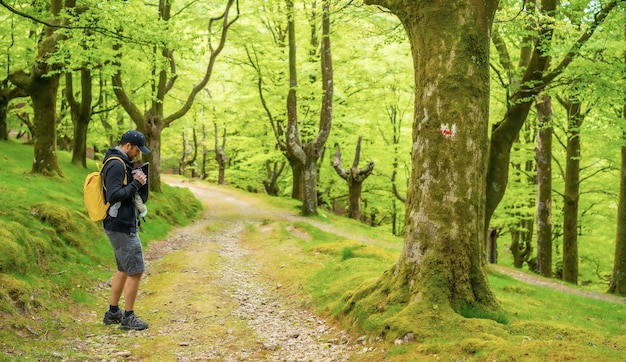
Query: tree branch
598	19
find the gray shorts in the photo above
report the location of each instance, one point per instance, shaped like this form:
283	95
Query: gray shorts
128	252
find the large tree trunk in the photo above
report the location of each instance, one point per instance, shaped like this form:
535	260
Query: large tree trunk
441	263
43	93
42	86
544	188
571	195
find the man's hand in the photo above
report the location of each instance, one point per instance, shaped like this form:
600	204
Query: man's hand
140	176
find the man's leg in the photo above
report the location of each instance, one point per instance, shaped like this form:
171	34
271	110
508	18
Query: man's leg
130	291
130	319
114	315
117	286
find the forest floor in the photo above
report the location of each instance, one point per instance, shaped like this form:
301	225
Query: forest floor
206	300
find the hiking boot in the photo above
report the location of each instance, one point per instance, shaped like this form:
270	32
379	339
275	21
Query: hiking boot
112	317
133	322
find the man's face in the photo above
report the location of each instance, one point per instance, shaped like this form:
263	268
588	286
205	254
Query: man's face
134	152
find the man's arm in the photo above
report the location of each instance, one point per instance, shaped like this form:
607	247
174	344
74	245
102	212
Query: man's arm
115	189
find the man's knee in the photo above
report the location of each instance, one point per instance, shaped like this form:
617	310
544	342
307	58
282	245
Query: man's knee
136	276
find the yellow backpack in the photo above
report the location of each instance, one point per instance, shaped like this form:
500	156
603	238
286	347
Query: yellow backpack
93	192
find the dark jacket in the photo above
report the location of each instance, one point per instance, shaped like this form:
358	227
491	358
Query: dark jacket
116	191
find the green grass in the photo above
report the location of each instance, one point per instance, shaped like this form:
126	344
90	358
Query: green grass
317	269
535	323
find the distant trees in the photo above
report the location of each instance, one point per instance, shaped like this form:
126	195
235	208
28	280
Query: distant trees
553	42
164	76
527	82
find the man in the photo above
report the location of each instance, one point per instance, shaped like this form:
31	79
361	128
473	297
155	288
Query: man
120	225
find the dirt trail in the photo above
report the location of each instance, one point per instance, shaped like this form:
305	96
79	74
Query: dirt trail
207	304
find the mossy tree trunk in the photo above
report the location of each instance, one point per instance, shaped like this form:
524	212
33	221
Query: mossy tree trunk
441	261
42	86
571	195
354	177
81	114
43	93
544	187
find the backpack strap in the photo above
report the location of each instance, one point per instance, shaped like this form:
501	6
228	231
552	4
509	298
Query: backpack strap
123	163
102	169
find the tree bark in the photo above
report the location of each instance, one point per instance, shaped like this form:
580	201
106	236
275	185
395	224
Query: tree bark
544	188
220	156
441	261
354	177
80	113
7	94
572	192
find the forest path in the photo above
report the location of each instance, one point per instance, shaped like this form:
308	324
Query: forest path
205	299
555	284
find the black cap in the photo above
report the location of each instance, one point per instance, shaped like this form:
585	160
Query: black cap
135	138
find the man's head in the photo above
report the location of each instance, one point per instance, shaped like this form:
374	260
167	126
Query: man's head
134	138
